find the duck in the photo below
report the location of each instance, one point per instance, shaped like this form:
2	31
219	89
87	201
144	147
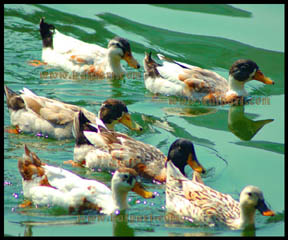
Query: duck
76	56
174	78
193	200
43	116
46	185
96	147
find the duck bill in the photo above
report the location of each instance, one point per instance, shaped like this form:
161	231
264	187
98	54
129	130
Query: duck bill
259	76
194	164
132	62
264	210
127	121
138	188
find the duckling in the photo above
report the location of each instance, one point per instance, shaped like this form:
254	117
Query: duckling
36	114
181	79
54	186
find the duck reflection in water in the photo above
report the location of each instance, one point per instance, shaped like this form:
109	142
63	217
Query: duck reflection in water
242	126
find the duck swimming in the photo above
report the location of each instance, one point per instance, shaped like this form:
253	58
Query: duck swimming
35	114
193	199
97	147
181	79
80	57
54	186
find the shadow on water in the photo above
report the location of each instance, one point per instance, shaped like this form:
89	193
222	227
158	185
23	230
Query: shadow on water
219	9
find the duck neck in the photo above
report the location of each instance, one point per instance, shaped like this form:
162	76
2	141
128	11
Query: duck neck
110	126
119	199
114	67
236	86
246	217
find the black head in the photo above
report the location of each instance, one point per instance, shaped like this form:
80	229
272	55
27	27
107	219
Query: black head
111	110
181	153
243	70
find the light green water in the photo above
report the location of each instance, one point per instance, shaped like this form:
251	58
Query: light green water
226	140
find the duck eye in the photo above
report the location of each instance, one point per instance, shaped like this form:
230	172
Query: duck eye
250	194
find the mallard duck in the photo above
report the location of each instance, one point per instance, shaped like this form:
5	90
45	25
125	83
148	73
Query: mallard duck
198	202
180	79
74	55
54	186
98	148
35	114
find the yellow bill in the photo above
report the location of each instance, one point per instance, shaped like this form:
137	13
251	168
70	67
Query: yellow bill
132	62
128	122
194	164
259	76
138	188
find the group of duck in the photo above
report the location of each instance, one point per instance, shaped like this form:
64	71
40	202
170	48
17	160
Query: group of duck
98	145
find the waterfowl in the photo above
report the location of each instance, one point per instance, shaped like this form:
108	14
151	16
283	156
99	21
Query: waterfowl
54	186
36	114
98	148
181	79
202	204
74	55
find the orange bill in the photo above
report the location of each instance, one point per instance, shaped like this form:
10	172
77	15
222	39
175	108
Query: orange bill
264	210
268	213
132	62
138	188
128	122
194	164
261	78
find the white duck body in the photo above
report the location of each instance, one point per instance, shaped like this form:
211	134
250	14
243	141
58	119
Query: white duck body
166	79
65	47
53	186
68	190
36	114
76	56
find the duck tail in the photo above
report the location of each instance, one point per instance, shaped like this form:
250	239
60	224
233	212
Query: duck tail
9	93
30	165
81	123
46	31
167	59
14	100
150	66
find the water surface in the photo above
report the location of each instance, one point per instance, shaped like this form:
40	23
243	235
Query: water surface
229	141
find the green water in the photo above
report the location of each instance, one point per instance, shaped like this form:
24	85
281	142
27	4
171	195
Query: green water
231	142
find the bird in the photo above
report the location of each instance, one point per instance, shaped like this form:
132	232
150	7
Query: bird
201	204
35	114
174	78
76	56
98	148
46	185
